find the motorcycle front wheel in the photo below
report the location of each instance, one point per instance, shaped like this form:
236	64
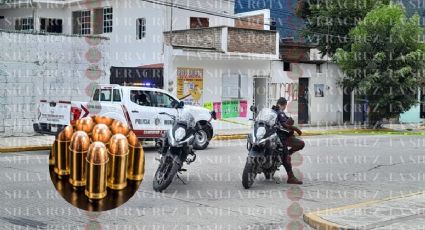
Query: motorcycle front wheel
269	175
248	175
165	173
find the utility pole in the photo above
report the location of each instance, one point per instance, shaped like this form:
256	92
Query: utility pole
171	22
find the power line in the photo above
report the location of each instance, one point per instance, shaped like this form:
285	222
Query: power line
204	10
241	19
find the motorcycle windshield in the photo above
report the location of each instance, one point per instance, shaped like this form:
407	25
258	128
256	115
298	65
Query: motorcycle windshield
185	117
267	116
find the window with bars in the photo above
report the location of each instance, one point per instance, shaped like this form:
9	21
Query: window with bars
24	24
81	22
141	28
51	25
85	22
107	20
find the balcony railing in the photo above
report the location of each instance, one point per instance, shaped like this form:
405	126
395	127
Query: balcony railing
225	39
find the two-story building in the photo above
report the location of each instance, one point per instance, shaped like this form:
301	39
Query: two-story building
306	79
191	48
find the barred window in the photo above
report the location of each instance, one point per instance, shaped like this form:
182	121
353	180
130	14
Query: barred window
24	24
141	28
81	22
107	20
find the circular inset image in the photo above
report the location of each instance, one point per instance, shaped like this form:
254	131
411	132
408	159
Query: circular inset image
98	164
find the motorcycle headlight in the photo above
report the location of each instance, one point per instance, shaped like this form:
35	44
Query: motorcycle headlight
261	131
179	134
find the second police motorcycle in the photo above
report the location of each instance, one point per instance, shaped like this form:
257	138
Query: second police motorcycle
265	148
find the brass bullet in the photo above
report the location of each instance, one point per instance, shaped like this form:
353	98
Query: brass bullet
85	124
136	163
99	119
101	133
132	139
117	166
119	127
96	171
78	148
68	131
52	153
61	155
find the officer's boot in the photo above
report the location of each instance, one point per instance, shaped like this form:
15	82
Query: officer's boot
288	167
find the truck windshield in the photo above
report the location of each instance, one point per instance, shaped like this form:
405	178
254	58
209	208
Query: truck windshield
152	99
102	95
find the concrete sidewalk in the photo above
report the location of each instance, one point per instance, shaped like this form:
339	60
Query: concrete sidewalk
228	129
403	212
224	130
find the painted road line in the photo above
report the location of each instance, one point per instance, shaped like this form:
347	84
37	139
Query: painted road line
315	219
235	122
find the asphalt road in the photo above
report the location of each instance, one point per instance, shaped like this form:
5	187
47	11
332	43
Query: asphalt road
337	170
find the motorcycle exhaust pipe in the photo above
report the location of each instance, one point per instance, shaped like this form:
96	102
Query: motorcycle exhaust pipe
96	174
117	166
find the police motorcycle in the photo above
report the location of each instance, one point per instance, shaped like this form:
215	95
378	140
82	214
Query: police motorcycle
176	148
265	148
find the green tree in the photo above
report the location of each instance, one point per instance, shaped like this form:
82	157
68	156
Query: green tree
385	61
328	22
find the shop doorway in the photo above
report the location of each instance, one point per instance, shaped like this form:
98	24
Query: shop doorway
303	117
347	105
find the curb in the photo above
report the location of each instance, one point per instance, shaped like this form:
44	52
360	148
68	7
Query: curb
47	147
229	137
24	148
234	122
315	221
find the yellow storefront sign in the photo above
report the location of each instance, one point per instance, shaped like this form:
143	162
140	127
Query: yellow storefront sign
190	84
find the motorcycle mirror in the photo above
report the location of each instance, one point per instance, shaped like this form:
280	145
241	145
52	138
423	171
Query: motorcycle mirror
180	105
253	108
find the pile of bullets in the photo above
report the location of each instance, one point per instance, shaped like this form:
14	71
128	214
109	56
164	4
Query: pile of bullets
96	153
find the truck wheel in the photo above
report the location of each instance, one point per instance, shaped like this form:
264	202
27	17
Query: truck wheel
203	137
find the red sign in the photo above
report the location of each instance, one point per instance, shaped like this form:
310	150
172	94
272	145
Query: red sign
217	109
243	108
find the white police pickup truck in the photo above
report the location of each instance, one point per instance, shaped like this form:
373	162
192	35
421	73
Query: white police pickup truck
138	107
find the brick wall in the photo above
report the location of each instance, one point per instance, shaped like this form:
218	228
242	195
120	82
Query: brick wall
295	54
40	66
251	41
251	22
208	38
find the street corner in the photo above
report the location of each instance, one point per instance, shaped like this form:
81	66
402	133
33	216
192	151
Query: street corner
387	213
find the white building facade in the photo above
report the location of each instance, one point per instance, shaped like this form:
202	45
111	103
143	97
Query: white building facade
206	57
204	42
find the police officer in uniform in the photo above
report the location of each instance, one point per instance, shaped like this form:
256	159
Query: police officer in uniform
294	143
